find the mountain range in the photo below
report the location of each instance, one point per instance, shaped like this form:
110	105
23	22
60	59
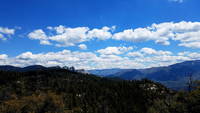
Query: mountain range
24	69
174	76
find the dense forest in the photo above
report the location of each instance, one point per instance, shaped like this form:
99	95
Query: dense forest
64	91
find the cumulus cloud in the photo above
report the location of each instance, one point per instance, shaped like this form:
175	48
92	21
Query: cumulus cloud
65	36
150	51
70	36
102	34
86	60
189	39
65	57
82	46
135	54
39	35
142	58
150	57
191	55
142	35
6	32
3	56
187	33
114	50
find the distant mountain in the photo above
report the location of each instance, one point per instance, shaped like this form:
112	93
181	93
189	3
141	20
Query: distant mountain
34	67
174	76
28	68
105	72
9	68
128	74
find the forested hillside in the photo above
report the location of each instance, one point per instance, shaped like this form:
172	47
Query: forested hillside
64	91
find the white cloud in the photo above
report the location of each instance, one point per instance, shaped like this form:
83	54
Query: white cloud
39	34
152	58
83	46
3	56
114	50
187	33
69	36
141	35
102	34
92	60
191	55
150	51
189	39
64	36
86	60
135	54
6	32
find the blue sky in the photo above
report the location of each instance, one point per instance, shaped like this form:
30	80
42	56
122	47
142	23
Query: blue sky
99	33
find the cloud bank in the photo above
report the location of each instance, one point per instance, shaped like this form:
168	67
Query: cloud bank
119	57
62	36
186	34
